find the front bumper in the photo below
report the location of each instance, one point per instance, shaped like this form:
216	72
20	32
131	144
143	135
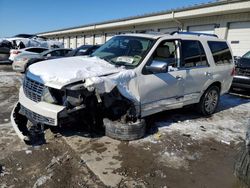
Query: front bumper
39	112
241	82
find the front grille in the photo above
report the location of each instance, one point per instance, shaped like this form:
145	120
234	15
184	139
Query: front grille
36	117
32	89
243	71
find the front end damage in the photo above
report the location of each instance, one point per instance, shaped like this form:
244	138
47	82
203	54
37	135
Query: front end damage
87	103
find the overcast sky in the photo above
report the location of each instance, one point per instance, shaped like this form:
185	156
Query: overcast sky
33	16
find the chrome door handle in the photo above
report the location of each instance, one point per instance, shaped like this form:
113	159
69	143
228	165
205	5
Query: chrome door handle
208	73
179	77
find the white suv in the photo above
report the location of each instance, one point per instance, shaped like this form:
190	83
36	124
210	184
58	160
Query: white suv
128	78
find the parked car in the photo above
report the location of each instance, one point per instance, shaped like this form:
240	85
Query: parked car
83	50
26	51
5	47
23	61
241	79
4	55
31	36
127	79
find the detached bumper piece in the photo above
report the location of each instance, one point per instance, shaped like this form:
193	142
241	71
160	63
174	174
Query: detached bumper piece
30	133
19	122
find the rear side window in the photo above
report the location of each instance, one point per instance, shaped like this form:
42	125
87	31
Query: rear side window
57	53
37	50
221	52
193	54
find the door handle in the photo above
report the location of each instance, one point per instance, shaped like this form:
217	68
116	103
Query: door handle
179	77
208	73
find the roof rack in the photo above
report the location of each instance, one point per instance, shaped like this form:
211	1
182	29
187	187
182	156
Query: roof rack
193	33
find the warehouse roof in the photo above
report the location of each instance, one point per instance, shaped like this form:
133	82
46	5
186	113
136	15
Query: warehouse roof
195	6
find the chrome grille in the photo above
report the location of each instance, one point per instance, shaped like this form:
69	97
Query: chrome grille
243	71
36	117
32	89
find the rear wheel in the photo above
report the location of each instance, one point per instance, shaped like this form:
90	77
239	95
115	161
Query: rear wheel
209	101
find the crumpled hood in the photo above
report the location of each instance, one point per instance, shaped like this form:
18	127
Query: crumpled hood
97	74
63	71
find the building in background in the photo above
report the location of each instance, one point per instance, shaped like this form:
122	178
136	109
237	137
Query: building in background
229	19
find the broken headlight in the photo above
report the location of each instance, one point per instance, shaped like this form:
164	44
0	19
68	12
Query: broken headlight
76	94
53	96
47	97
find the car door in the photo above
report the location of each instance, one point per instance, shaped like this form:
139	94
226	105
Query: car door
161	91
194	62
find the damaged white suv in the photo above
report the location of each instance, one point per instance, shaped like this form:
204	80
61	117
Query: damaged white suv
128	78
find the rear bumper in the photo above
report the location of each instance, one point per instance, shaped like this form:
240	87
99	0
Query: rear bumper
241	82
19	66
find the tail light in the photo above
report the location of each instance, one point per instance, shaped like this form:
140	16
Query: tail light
15	52
233	72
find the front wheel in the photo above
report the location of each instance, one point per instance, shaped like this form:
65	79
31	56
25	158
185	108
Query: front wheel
125	132
209	101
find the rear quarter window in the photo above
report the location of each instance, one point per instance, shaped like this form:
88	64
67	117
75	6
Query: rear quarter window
37	50
221	52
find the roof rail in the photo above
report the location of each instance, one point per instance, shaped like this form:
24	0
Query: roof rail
193	33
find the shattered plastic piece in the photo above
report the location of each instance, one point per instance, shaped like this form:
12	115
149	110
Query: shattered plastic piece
158	136
187	135
225	142
42	180
28	152
3	171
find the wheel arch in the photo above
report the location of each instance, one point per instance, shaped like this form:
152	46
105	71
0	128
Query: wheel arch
217	83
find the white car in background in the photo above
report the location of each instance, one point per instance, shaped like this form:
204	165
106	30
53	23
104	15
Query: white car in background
125	80
30	50
22	61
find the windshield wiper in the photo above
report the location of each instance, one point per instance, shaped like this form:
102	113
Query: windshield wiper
121	63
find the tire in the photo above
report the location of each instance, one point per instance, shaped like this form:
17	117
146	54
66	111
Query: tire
125	132
242	165
209	101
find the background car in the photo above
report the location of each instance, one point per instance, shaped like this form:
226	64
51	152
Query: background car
30	36
83	50
22	61
21	41
5	51
242	73
30	50
53	54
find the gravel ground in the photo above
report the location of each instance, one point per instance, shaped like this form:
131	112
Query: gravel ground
181	149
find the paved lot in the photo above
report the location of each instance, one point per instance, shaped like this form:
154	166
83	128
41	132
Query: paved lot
181	149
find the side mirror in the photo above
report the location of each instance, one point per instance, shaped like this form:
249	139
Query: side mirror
48	55
158	67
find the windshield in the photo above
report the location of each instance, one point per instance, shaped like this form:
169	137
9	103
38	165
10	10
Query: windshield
247	55
124	50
